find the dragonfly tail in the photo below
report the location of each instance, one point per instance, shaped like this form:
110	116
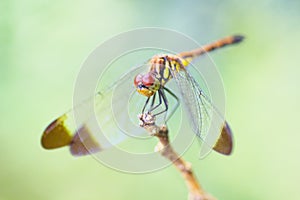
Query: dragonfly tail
188	56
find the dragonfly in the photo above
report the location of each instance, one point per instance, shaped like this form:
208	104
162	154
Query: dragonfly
162	68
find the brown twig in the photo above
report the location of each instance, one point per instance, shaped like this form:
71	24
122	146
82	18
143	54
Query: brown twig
196	192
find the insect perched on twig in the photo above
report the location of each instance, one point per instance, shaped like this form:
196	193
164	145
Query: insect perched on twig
162	69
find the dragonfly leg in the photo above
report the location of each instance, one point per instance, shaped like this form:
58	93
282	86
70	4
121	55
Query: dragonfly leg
146	103
162	95
152	103
160	101
176	105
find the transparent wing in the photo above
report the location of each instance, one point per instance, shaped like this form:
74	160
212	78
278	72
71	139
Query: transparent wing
206	121
100	122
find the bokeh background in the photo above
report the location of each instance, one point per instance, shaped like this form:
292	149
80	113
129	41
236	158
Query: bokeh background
43	44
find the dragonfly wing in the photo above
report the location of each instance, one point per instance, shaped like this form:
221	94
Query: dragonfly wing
99	122
62	132
218	133
206	121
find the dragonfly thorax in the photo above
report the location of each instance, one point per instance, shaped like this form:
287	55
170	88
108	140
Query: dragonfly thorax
146	84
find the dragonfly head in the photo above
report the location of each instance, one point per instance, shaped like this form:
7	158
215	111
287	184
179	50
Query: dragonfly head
146	84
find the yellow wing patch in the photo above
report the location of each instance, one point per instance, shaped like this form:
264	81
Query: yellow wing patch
56	134
224	143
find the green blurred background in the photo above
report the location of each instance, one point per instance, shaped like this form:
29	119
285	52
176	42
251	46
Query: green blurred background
43	44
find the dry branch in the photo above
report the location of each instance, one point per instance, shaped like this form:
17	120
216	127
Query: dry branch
196	192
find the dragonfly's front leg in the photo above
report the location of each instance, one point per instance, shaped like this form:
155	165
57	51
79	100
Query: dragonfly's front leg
154	107
176	105
162	96
146	103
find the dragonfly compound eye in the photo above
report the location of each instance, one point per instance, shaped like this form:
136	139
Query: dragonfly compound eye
138	80
148	80
144	84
